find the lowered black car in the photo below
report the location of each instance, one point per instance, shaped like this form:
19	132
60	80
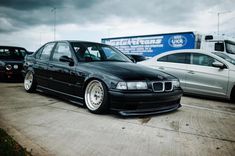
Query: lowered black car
100	77
11	61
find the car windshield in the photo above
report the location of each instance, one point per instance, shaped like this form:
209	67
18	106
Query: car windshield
12	53
226	57
98	52
230	47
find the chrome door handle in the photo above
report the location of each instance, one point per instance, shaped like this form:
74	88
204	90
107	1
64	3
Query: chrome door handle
161	68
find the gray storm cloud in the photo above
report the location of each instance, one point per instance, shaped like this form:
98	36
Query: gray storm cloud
20	14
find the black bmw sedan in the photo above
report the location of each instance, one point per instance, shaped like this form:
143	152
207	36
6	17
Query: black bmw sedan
101	78
11	61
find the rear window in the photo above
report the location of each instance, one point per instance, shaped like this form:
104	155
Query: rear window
12	53
44	52
176	58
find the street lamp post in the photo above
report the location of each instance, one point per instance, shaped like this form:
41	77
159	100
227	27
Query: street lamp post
218	14
54	10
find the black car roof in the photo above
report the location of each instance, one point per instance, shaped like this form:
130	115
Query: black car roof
70	41
11	47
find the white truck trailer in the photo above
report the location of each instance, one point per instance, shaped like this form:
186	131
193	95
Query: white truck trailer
151	45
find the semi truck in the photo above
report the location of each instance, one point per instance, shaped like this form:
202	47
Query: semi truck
152	45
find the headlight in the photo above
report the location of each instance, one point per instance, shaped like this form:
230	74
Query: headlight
132	85
8	67
137	85
176	83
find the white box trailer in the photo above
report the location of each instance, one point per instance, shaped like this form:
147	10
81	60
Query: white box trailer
218	43
151	45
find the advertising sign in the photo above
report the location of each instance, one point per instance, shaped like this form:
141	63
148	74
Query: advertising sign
151	45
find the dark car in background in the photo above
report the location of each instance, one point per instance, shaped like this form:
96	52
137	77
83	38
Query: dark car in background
11	61
101	78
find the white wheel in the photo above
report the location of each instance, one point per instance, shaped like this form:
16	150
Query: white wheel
29	84
95	96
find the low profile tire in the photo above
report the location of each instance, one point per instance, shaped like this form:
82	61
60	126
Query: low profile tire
29	82
96	97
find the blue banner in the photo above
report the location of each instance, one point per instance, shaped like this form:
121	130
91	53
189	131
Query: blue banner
151	45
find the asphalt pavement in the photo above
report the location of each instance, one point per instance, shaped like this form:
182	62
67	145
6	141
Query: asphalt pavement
50	126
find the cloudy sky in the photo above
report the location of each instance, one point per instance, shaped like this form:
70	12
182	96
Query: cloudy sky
30	23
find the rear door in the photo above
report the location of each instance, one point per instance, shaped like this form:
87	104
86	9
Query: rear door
41	64
175	64
203	78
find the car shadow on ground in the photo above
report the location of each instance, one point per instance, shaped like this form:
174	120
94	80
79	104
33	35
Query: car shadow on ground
143	117
208	98
13	80
110	113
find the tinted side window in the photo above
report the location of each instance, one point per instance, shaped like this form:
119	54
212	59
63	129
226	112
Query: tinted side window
62	49
94	53
88	52
202	60
176	58
163	59
46	52
38	53
11	52
23	52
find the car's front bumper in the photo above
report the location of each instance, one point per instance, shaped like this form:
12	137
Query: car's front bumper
129	104
10	74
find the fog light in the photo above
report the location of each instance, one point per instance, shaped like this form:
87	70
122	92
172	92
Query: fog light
15	66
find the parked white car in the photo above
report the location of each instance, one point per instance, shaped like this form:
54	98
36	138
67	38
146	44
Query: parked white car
200	72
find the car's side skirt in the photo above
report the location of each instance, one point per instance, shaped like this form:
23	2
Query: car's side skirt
69	97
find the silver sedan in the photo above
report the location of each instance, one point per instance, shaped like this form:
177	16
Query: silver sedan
200	72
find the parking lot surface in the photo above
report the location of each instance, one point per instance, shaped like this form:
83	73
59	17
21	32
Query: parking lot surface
50	126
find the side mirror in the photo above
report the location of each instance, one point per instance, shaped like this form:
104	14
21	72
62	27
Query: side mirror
67	59
219	46
218	65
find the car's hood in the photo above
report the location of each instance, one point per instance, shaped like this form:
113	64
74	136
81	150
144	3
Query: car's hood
126	71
